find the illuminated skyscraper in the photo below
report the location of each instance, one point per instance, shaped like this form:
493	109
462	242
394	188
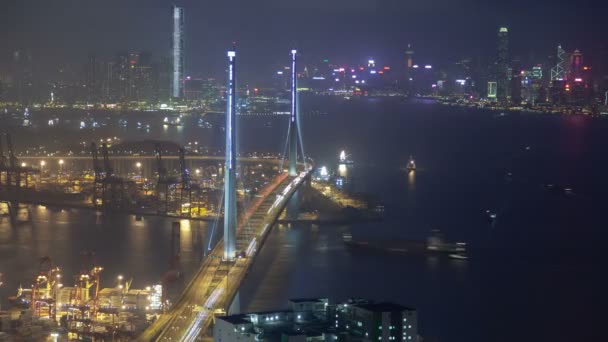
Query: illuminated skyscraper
557	72
92	79
177	81
492	90
502	64
409	54
576	64
119	85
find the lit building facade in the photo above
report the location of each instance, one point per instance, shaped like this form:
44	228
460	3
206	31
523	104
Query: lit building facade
502	65
318	320
177	80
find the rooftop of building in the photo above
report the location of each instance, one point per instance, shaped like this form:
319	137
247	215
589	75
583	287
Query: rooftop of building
236	319
306	300
383	307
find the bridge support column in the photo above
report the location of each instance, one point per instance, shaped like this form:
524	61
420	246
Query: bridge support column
235	306
293	206
293	125
230	167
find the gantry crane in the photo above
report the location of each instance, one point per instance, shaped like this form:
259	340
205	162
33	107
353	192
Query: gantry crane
10	166
110	191
163	183
44	291
186	184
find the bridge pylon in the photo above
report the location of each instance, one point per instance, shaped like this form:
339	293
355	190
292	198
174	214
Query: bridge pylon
295	138
230	165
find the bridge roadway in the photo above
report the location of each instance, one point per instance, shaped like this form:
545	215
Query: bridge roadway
149	157
217	281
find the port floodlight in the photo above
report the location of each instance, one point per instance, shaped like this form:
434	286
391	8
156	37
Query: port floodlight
23	164
61	161
138	164
42	163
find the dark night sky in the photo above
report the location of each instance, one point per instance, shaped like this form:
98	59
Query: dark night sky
65	31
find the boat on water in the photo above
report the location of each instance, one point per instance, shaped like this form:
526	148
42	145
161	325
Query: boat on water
173	121
411	165
435	244
202	123
458	256
344	158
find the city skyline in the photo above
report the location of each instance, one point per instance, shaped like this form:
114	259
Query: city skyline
367	29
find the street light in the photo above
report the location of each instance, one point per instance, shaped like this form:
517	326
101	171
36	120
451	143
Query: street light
60	169
138	165
23	164
42	164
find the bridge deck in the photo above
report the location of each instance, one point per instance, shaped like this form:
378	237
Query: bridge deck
216	283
